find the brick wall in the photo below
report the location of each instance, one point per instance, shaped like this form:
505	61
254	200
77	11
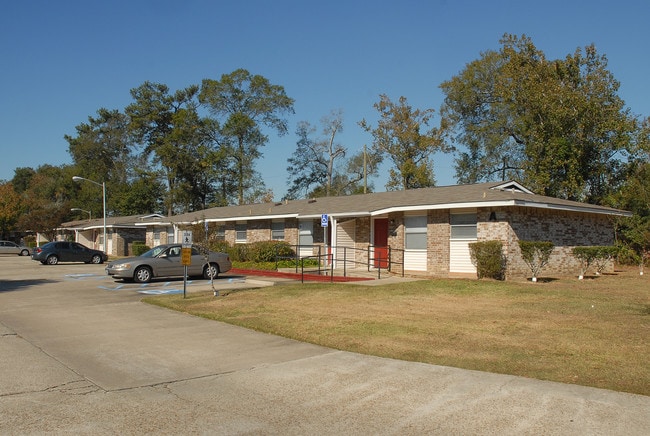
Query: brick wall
261	231
257	231
564	228
123	240
438	231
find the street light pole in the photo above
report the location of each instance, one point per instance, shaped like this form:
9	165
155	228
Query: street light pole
103	185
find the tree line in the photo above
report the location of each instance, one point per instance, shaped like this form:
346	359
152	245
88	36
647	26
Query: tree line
556	125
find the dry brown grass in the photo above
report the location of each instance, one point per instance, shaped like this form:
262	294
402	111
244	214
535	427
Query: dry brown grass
592	332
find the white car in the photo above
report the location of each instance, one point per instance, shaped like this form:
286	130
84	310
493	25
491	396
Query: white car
8	247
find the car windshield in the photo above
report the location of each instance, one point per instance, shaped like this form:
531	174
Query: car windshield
154	252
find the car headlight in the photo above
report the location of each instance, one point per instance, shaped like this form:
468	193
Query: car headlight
121	266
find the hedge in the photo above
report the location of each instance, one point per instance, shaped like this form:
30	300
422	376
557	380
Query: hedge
488	258
262	251
139	247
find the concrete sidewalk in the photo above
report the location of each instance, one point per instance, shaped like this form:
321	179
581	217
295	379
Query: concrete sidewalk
80	359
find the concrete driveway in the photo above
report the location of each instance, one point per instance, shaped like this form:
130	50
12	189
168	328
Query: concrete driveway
79	353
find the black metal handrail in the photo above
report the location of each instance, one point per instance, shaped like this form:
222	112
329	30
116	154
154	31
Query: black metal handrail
326	262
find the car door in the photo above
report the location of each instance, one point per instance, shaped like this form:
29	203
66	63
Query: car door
4	249
62	250
78	253
196	268
169	262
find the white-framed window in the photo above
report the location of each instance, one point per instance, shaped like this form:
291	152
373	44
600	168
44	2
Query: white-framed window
463	226
415	232
277	230
221	232
240	232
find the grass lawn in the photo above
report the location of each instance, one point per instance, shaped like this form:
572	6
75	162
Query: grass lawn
592	332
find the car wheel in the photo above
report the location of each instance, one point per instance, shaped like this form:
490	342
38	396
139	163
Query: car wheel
96	259
24	253
211	271
142	274
52	259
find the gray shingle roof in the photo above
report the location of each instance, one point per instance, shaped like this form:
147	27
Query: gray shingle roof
111	221
447	197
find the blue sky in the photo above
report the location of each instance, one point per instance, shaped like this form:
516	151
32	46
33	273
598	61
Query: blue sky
63	60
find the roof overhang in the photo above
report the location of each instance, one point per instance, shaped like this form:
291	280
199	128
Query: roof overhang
585	208
248	218
503	203
336	215
155	223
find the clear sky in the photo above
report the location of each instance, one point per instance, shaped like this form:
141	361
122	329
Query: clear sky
63	60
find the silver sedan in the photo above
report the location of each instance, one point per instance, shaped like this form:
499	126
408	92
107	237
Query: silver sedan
165	261
8	247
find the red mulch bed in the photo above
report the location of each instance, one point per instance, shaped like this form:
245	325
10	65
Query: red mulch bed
312	277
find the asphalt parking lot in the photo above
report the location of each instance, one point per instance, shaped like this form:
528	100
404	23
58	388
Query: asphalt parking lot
81	354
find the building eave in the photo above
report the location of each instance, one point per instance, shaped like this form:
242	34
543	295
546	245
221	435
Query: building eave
569	208
248	218
503	203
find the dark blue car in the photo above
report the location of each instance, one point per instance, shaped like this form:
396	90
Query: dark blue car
60	251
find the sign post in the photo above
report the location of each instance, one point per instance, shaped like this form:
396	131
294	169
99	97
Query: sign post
324	221
186	256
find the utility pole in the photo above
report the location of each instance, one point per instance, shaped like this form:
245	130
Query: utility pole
365	175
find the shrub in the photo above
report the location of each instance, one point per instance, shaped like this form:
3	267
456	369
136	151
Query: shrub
599	256
139	247
220	246
604	256
239	253
269	251
488	258
536	255
257	252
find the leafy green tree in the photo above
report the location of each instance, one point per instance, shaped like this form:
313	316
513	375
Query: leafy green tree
10	208
399	136
46	201
143	194
245	103
22	178
178	140
633	233
102	151
559	126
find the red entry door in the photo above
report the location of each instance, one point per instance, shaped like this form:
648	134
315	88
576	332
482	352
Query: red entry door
380	241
